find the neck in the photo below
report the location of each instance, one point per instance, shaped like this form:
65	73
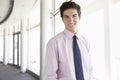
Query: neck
74	31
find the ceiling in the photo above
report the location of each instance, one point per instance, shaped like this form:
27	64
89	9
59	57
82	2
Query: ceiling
13	10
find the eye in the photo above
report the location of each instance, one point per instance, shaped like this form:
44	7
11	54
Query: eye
65	16
75	15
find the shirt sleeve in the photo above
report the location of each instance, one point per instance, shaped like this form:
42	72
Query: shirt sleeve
51	61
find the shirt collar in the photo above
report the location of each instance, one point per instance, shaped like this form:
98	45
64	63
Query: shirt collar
69	34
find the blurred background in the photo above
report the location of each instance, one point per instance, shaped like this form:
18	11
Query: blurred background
27	25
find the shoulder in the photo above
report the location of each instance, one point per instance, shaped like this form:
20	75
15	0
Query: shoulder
56	38
85	41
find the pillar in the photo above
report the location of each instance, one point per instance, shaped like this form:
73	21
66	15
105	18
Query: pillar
23	66
45	30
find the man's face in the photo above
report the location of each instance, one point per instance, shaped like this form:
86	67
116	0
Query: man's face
71	19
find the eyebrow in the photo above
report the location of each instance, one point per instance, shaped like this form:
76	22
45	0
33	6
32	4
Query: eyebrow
72	15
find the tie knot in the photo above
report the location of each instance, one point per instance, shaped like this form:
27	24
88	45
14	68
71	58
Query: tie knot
74	37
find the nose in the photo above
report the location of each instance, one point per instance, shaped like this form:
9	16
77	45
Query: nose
70	19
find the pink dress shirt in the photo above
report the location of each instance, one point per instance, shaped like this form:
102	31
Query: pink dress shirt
59	60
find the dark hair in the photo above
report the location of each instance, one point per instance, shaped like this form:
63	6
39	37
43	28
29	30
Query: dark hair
68	5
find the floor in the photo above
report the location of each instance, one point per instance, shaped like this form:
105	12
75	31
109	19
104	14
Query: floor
8	72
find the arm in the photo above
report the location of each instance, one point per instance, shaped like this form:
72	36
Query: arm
51	62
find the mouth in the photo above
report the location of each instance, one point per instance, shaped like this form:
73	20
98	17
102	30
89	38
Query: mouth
71	24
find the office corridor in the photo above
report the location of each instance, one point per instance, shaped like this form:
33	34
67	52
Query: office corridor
8	72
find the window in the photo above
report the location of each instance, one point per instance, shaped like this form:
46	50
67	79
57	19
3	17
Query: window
1	46
92	27
34	50
115	41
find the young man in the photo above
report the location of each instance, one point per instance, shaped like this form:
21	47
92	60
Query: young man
67	55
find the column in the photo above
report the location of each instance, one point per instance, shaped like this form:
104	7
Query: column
45	30
23	66
107	38
4	47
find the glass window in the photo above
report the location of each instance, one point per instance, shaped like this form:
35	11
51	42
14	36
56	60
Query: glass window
1	47
34	39
58	3
1	43
92	27
34	50
10	53
115	40
34	16
84	2
59	25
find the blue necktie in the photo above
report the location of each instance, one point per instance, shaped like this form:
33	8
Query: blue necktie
77	60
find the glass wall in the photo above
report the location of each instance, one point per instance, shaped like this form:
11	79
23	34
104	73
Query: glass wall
92	27
1	44
10	53
34	50
115	40
58	3
33	31
59	25
13	44
1	48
